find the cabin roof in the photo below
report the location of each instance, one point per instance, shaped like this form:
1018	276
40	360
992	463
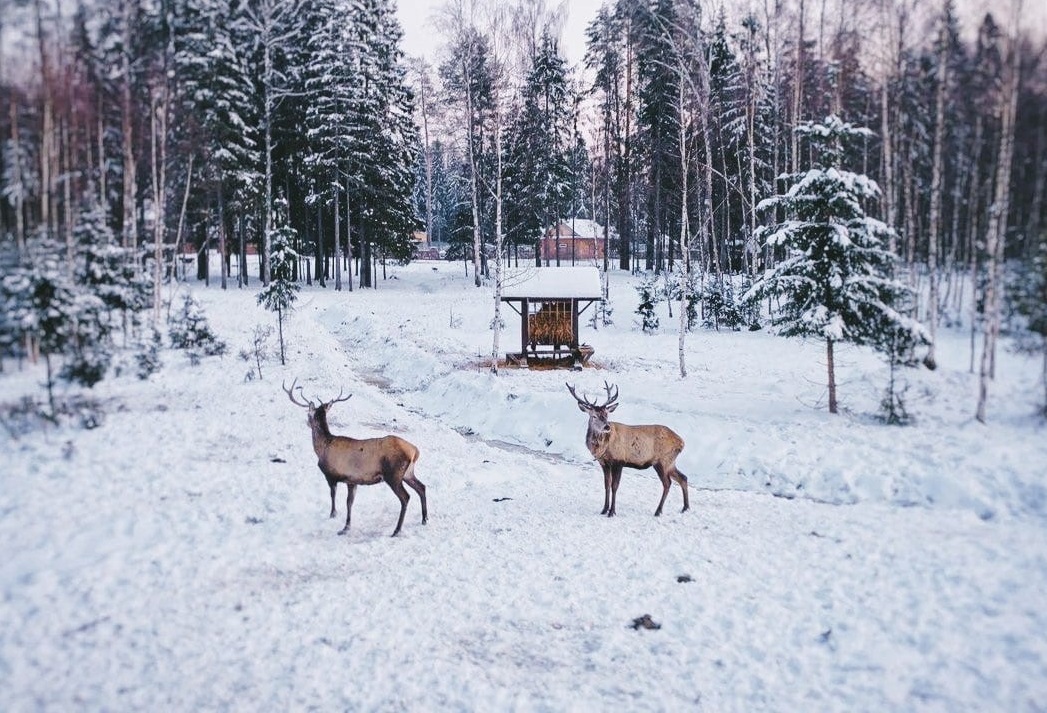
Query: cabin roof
551	283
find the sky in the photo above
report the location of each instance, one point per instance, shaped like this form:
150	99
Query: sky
422	38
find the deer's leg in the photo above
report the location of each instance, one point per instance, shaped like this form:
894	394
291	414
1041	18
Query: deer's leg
419	488
616	478
682	480
606	488
401	492
666	482
348	506
333	484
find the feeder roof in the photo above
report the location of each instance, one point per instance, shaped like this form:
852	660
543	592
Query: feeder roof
551	283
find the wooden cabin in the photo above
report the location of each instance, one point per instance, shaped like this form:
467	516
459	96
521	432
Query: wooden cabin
549	301
574	241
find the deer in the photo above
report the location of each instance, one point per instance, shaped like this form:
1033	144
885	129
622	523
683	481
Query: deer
616	446
360	461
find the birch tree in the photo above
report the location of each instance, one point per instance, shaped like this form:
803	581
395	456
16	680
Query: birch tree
996	234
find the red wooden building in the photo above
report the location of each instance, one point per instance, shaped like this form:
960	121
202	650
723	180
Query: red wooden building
574	241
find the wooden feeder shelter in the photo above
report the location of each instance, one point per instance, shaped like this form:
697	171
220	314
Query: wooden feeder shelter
549	301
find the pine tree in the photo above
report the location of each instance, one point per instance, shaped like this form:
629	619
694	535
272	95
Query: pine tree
271	29
1029	294
331	119
107	271
47	308
658	120
388	216
648	293
282	291
539	181
836	281
217	96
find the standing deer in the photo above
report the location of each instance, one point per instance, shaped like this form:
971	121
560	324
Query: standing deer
364	461
616	446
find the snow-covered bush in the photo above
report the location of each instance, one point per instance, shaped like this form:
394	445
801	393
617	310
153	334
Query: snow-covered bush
648	291
282	291
147	354
190	331
258	351
1028	293
722	309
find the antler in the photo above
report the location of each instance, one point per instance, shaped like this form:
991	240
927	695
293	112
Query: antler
583	402
611	397
338	399
290	394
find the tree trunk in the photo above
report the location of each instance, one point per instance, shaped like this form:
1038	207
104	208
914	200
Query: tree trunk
685	260
348	238
496	326
934	227
19	180
280	330
130	179
997	232
830	366
337	243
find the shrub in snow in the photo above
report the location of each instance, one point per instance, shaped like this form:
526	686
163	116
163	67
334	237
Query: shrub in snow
282	291
147	354
836	280
87	366
722	309
109	272
1029	295
46	308
601	315
673	287
189	331
648	292
259	350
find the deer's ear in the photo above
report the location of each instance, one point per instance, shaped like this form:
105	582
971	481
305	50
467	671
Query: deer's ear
582	407
611	408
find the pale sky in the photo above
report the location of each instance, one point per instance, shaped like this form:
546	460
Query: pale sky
422	38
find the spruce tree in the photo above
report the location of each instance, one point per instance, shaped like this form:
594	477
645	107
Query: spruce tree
539	181
836	282
282	291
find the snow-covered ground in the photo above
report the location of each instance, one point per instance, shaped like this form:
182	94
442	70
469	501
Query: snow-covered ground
180	557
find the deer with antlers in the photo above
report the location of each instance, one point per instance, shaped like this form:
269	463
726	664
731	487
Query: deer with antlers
360	461
616	446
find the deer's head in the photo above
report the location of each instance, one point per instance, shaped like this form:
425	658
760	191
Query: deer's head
599	414
317	411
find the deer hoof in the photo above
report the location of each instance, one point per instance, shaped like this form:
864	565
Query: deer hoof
344	531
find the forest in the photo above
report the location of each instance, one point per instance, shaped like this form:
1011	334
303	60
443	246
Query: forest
145	140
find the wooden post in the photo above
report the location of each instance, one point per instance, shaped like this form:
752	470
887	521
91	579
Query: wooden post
524	309
577	366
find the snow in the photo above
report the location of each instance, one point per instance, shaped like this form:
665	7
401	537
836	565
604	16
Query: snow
179	557
562	282
585	228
